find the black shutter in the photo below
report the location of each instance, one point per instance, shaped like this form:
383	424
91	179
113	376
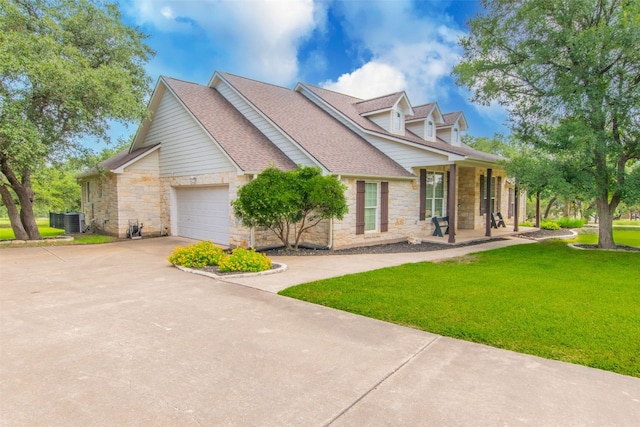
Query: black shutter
483	190
359	207
423	193
384	206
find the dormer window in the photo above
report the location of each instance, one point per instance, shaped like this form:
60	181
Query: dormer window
430	129
456	136
397	122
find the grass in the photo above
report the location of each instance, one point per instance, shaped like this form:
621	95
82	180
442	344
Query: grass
627	222
629	236
6	233
543	299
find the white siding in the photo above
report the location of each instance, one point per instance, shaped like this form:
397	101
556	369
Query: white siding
383	120
186	148
407	156
418	128
297	155
147	163
444	134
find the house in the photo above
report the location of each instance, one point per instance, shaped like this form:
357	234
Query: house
402	164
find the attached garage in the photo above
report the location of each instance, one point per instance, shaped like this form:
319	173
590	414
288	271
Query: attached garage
203	213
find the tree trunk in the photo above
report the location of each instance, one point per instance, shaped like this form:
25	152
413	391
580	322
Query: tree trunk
537	210
605	229
14	216
551	202
25	194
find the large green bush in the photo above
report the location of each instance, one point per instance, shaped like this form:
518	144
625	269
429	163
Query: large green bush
290	202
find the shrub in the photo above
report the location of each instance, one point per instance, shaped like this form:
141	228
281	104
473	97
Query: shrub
242	259
198	255
526	224
571	223
549	225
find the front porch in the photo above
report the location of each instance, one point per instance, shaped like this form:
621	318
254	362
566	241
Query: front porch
466	236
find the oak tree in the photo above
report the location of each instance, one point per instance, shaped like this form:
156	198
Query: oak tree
568	71
68	68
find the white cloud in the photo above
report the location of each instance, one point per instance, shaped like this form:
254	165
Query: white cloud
261	38
369	81
423	49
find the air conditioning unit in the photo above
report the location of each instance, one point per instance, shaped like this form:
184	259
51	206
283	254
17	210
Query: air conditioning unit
73	223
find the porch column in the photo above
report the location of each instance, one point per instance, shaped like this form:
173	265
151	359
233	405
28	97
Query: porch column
487	204
451	203
516	207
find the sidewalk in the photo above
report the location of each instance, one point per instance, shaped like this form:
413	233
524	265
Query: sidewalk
303	269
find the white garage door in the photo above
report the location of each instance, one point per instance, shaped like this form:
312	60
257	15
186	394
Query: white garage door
203	213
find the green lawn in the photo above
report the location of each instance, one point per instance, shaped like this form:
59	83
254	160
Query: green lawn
544	299
6	233
629	236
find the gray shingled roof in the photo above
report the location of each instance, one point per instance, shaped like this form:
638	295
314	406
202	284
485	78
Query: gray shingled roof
116	161
346	105
377	104
330	143
237	136
450	118
422	111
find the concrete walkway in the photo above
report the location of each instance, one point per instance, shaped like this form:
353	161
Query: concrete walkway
304	269
114	335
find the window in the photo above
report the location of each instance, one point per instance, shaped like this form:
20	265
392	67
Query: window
372	207
434	194
430	129
396	126
88	191
455	135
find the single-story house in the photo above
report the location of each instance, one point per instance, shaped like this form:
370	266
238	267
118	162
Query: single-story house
402	164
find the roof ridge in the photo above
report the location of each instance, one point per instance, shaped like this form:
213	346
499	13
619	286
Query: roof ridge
224	73
382	96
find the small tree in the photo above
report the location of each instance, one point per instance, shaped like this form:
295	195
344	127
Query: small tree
294	200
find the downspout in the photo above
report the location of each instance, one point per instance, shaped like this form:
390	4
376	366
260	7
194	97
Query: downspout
252	230
330	242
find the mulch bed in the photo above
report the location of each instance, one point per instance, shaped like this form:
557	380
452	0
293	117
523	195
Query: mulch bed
618	247
389	248
404	247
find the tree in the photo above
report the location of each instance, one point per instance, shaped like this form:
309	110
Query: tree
67	69
568	71
294	200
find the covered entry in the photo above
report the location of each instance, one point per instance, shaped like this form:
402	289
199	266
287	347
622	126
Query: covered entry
203	213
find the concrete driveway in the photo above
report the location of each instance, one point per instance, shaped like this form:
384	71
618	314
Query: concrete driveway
113	335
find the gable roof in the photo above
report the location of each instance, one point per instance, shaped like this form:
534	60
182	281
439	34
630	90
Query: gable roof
237	136
450	119
119	161
326	140
382	103
421	112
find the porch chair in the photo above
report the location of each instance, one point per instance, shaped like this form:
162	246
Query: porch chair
497	220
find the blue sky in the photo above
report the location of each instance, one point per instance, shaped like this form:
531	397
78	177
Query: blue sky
365	48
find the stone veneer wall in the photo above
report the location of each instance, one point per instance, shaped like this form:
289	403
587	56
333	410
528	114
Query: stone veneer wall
100	206
403	216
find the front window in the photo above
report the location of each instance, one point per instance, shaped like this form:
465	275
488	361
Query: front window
371	206
430	129
456	136
435	194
